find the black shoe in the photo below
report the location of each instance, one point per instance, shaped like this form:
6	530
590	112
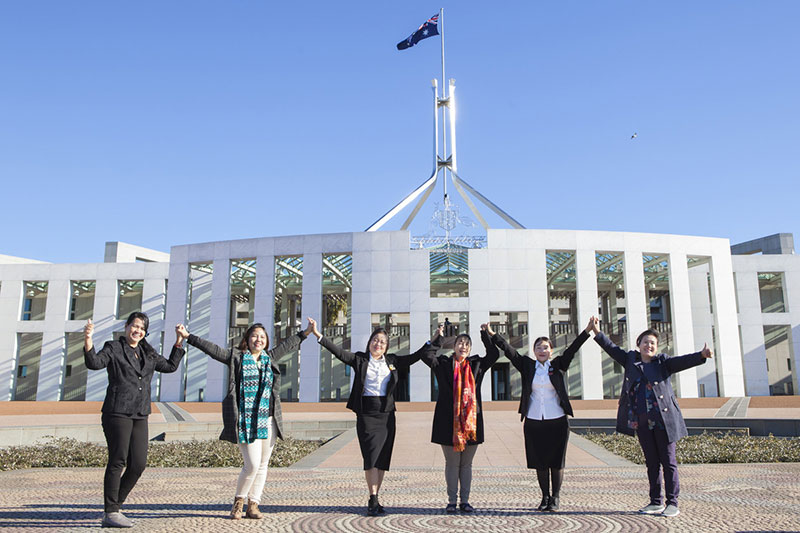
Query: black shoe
553	505
451	508
378	507
544	504
372	506
466	508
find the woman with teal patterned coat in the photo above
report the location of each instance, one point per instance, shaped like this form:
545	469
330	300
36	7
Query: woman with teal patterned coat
251	410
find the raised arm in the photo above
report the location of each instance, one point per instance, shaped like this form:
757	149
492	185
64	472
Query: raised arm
430	357
92	359
509	351
215	351
617	354
340	353
492	353
292	342
682	362
429	349
563	362
167	366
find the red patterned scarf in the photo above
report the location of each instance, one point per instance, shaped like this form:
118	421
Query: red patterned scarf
465	416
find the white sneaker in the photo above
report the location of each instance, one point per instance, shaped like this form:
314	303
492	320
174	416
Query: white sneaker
653	508
671	510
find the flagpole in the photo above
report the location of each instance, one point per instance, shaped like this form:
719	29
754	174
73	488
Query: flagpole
444	99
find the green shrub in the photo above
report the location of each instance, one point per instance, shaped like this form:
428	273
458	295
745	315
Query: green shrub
715	447
68	453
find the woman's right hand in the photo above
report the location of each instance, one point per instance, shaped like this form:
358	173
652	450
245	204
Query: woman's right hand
488	328
593	326
182	332
88	331
439	332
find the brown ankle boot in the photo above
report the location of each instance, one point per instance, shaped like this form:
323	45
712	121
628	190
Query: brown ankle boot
236	510
252	510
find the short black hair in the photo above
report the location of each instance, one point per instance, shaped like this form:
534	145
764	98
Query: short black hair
141	316
646	332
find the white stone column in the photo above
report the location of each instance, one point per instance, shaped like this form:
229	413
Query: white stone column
637	306
729	358
702	326
10	307
682	330
105	324
538	302
177	295
586	287
419	322
312	306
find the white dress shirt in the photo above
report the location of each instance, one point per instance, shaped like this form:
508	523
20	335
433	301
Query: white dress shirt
377	379
544	403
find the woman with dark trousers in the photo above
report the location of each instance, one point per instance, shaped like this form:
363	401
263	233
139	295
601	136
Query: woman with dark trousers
130	362
544	407
648	409
251	410
372	399
458	417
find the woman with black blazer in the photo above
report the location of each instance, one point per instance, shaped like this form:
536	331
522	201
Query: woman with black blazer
544	407
648	409
251	409
458	417
130	362
372	399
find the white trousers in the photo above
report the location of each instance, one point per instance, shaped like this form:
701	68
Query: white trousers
256	456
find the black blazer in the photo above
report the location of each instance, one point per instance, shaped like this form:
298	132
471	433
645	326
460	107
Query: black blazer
233	359
128	390
360	361
442	366
657	373
527	367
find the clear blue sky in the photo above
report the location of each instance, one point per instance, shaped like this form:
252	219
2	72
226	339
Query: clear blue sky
162	123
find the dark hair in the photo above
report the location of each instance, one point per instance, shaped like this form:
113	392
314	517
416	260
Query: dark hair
243	345
141	316
465	336
652	332
542	339
378	331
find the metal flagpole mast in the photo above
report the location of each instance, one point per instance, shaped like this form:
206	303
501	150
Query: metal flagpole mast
441	103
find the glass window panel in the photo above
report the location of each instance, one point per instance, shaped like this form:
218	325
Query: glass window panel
449	271
506	382
29	352
778	344
399	327
130	297
81	306
337	285
563	311
75	373
612	311
35	300
243	298
288	320
770	288
659	308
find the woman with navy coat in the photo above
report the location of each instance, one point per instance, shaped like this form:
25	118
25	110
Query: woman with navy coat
372	399
544	406
649	410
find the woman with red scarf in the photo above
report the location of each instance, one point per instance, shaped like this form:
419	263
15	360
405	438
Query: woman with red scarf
458	418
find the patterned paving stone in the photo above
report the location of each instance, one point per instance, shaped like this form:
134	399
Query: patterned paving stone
713	498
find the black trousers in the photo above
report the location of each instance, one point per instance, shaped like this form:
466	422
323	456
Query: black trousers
127	445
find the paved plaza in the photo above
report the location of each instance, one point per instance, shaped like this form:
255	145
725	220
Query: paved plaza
326	490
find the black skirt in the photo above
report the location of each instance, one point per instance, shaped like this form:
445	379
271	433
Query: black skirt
376	430
546	442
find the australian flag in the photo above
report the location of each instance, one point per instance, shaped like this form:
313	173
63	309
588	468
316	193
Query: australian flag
428	29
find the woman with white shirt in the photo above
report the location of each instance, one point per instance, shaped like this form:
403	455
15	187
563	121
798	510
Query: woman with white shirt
372	399
544	407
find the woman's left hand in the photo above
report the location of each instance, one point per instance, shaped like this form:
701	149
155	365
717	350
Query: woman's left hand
706	352
312	328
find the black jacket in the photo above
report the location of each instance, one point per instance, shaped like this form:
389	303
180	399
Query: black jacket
128	390
360	361
657	373
442	366
233	359
527	368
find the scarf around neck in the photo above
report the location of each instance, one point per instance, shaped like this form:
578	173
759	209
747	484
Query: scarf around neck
255	390
465	415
